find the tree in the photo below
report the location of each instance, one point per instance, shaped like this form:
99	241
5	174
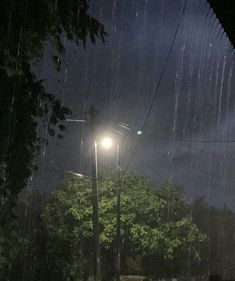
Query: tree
25	244
25	26
219	225
146	229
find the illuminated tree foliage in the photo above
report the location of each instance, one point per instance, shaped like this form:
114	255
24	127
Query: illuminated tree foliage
52	239
155	226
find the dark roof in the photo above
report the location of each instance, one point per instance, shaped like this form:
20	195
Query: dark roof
225	12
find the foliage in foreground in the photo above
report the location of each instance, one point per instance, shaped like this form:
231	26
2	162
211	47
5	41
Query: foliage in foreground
53	238
155	225
28	113
26	26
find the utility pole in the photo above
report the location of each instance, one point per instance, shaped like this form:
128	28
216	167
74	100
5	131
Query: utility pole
118	226
92	113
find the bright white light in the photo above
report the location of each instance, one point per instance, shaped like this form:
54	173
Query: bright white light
107	143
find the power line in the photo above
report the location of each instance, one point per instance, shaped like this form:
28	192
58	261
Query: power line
198	169
199	150
197	157
165	66
156	173
160	78
182	141
202	180
209	152
195	140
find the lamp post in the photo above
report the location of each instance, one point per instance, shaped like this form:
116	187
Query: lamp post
92	115
118	226
107	143
94	172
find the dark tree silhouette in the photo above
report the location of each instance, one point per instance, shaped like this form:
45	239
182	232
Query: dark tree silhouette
25	25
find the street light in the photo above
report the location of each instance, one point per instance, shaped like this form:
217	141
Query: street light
107	143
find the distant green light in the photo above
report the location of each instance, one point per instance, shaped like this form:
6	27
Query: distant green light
139	133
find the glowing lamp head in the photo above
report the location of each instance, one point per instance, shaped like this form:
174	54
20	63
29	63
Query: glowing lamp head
107	143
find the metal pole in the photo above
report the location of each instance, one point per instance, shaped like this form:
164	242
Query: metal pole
94	172
118	226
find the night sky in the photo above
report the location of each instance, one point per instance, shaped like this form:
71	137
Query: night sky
187	136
